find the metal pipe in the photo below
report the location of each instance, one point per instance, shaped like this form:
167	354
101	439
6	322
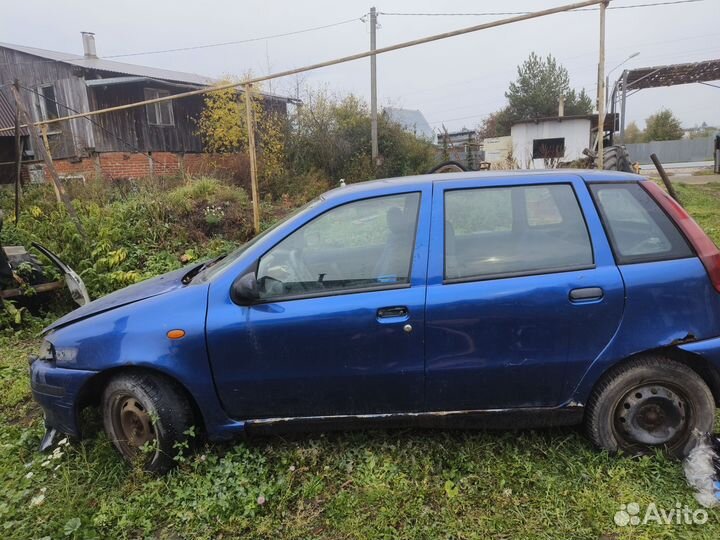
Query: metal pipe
350	58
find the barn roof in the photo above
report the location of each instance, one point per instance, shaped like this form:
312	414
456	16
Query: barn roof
670	75
122	68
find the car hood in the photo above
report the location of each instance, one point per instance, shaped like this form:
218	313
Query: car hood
134	293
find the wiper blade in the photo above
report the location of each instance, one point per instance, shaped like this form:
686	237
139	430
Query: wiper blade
187	278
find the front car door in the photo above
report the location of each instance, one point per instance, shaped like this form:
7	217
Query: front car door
339	326
522	291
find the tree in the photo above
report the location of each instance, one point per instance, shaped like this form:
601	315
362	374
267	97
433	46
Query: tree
663	126
540	83
223	128
633	134
535	93
331	134
496	124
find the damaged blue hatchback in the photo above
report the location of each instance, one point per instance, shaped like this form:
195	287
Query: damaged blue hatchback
471	299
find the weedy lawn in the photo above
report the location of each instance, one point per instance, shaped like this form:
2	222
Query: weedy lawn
382	484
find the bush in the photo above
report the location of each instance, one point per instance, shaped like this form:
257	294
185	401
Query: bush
135	230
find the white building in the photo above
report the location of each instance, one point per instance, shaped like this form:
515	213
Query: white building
543	142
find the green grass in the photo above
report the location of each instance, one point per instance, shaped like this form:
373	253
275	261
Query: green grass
383	484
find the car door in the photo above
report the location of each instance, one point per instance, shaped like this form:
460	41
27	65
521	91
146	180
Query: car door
339	327
523	292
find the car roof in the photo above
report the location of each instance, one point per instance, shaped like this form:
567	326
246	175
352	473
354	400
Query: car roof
424	179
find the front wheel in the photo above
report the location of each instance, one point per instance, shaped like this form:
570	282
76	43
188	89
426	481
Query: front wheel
147	418
648	403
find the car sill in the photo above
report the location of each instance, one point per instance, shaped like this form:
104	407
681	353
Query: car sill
516	418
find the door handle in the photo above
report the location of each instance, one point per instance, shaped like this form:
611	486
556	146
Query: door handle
586	294
392	312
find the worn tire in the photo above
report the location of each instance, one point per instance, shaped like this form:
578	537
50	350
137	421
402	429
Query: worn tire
169	416
616	158
621	390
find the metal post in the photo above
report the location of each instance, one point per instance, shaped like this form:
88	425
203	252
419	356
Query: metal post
665	178
250	123
622	106
601	89
373	89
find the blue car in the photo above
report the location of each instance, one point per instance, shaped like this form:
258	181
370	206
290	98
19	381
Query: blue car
508	299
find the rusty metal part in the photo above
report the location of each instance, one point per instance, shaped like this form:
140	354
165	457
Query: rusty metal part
41	288
132	424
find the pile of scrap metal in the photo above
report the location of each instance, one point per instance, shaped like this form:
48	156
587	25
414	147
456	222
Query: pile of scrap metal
21	271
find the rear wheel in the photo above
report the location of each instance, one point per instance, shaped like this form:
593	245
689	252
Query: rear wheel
616	158
650	403
146	417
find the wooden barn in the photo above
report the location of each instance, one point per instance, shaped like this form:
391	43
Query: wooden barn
55	84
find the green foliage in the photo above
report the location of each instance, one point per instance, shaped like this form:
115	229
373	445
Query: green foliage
136	231
331	136
222	123
535	93
633	134
663	126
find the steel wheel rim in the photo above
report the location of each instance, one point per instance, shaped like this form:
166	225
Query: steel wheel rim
132	425
653	414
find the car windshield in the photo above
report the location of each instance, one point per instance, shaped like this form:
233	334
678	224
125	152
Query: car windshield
215	269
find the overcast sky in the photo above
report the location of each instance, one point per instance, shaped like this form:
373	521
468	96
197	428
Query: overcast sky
456	81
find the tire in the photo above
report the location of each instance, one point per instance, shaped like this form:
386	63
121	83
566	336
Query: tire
140	408
616	158
648	403
448	166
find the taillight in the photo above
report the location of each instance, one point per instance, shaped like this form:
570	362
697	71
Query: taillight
704	247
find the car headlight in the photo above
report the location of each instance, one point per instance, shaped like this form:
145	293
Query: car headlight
47	351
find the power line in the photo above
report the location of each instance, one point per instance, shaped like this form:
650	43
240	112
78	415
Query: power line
504	13
204	46
327	63
238	42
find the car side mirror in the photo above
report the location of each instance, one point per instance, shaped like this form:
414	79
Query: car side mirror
244	290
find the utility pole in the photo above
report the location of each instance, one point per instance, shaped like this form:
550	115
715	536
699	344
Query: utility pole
601	90
250	123
373	90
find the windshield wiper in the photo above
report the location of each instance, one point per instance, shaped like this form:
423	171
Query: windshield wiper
187	278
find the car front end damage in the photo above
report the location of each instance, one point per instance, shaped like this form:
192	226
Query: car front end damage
57	390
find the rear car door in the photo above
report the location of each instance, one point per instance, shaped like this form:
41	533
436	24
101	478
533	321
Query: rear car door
522	292
339	328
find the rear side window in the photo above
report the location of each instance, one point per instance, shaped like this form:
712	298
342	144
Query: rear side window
518	230
638	228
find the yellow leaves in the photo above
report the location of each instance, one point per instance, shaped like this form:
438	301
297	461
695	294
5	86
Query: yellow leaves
223	128
108	260
222	121
36	212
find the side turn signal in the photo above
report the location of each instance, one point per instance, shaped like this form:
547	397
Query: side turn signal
176	334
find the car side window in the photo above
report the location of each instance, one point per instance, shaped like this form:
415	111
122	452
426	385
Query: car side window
501	231
359	245
638	228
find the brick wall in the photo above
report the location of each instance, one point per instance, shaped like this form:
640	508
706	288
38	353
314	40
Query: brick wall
123	165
